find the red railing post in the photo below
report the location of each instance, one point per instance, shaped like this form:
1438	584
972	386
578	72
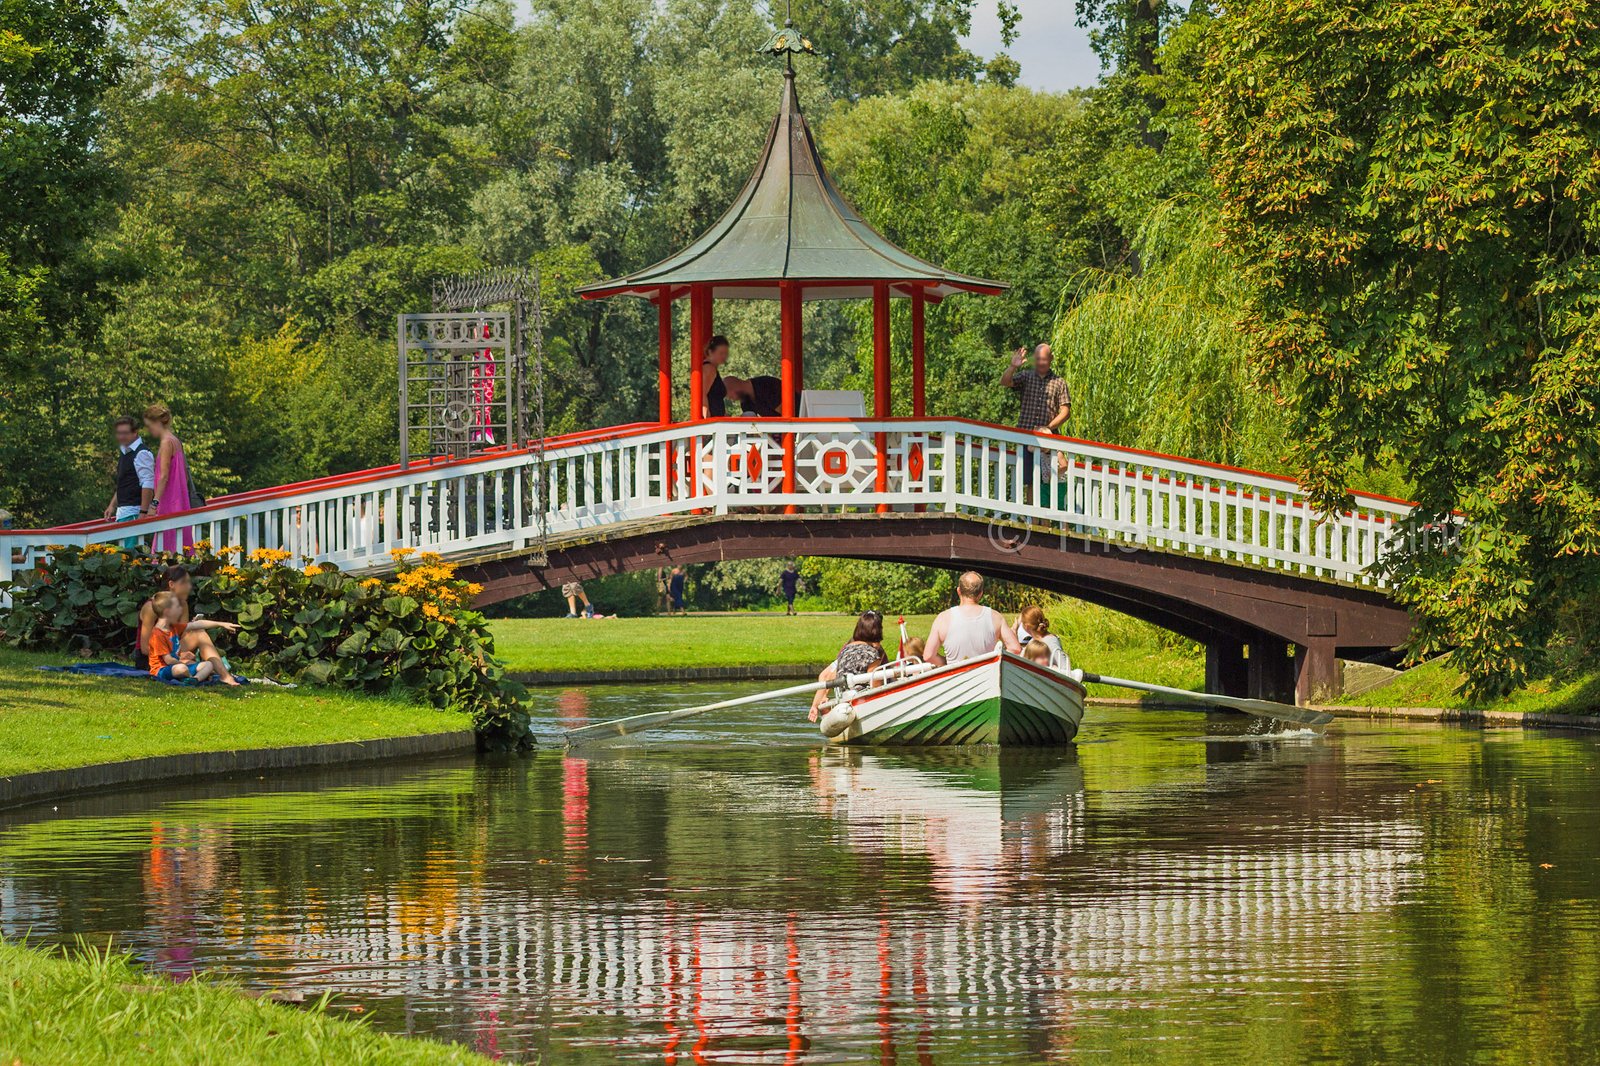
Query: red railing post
789	307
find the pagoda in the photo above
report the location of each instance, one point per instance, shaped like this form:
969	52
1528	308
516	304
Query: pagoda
791	236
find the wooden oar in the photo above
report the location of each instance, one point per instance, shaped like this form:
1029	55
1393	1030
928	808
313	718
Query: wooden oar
619	727
1264	708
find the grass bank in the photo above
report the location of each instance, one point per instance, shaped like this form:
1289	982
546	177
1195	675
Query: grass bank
97	1009
1573	690
51	721
1097	639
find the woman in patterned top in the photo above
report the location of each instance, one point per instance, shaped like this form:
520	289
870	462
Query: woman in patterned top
863	652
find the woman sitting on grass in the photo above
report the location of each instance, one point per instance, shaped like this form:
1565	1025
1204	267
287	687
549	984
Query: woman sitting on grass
173	644
176	580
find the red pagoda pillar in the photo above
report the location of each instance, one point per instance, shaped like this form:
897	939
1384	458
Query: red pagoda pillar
919	339
664	354
789	311
699	337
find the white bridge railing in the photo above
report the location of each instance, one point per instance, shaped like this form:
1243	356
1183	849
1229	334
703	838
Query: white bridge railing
594	482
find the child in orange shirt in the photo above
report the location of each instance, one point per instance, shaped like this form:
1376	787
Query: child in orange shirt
169	660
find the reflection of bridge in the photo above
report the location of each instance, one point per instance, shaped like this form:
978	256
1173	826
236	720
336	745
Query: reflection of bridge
985	906
1235	559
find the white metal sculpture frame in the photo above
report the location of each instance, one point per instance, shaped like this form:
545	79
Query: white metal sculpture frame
606	480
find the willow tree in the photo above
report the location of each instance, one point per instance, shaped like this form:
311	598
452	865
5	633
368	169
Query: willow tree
1414	192
1156	359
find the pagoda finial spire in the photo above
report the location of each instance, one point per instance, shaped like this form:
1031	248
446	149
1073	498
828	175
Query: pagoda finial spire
788	42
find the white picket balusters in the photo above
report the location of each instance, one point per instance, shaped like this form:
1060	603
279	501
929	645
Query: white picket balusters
591	485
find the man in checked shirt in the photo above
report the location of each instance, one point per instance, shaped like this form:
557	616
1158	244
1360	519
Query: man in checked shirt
1046	402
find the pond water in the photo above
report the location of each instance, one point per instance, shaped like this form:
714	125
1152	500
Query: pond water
1174	888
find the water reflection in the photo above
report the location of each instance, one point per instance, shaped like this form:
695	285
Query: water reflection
1151	895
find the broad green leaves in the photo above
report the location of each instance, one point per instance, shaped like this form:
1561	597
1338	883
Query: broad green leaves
1412	188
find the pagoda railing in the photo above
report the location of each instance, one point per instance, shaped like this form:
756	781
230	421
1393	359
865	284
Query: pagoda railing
594	483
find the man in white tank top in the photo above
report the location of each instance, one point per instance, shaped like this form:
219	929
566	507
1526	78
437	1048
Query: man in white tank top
969	629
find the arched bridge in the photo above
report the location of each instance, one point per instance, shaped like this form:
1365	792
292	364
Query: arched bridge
1234	559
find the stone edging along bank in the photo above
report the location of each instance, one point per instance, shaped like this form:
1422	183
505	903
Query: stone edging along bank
51	784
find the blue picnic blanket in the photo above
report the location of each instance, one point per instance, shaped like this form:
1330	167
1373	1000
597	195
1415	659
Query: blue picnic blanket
101	668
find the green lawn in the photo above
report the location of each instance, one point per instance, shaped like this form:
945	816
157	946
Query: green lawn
546	645
51	721
86	1011
1573	691
1097	639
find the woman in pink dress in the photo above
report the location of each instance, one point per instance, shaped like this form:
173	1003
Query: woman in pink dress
172	479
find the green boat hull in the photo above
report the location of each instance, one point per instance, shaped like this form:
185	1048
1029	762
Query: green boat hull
989	721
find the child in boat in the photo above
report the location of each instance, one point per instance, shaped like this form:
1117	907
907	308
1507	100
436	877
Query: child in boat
171	657
1037	651
912	648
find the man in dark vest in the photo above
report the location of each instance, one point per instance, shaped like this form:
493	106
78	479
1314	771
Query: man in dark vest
136	475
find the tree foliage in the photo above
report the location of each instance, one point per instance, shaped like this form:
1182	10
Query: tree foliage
56	64
1412	189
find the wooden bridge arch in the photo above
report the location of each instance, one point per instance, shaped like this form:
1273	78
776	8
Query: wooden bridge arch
1266	633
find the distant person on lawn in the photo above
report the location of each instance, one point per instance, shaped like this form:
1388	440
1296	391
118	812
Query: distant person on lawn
573	591
675	590
136	475
791	586
173	650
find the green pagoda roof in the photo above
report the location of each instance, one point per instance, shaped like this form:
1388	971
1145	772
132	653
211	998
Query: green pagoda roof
790	223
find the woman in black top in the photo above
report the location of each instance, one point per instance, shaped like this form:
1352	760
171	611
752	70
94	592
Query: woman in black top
715	390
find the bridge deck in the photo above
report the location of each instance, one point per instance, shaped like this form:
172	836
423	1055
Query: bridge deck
606	482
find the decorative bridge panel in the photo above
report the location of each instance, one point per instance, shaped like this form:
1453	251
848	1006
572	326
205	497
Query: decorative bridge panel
484	505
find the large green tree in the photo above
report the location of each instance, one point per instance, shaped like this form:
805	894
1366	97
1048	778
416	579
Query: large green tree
56	64
1414	189
315	154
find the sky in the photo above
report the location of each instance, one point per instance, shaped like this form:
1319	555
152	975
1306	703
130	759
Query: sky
1053	51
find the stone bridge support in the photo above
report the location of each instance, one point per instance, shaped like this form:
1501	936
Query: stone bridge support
1268	633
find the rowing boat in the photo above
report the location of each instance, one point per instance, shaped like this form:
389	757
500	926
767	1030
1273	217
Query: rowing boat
998	698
